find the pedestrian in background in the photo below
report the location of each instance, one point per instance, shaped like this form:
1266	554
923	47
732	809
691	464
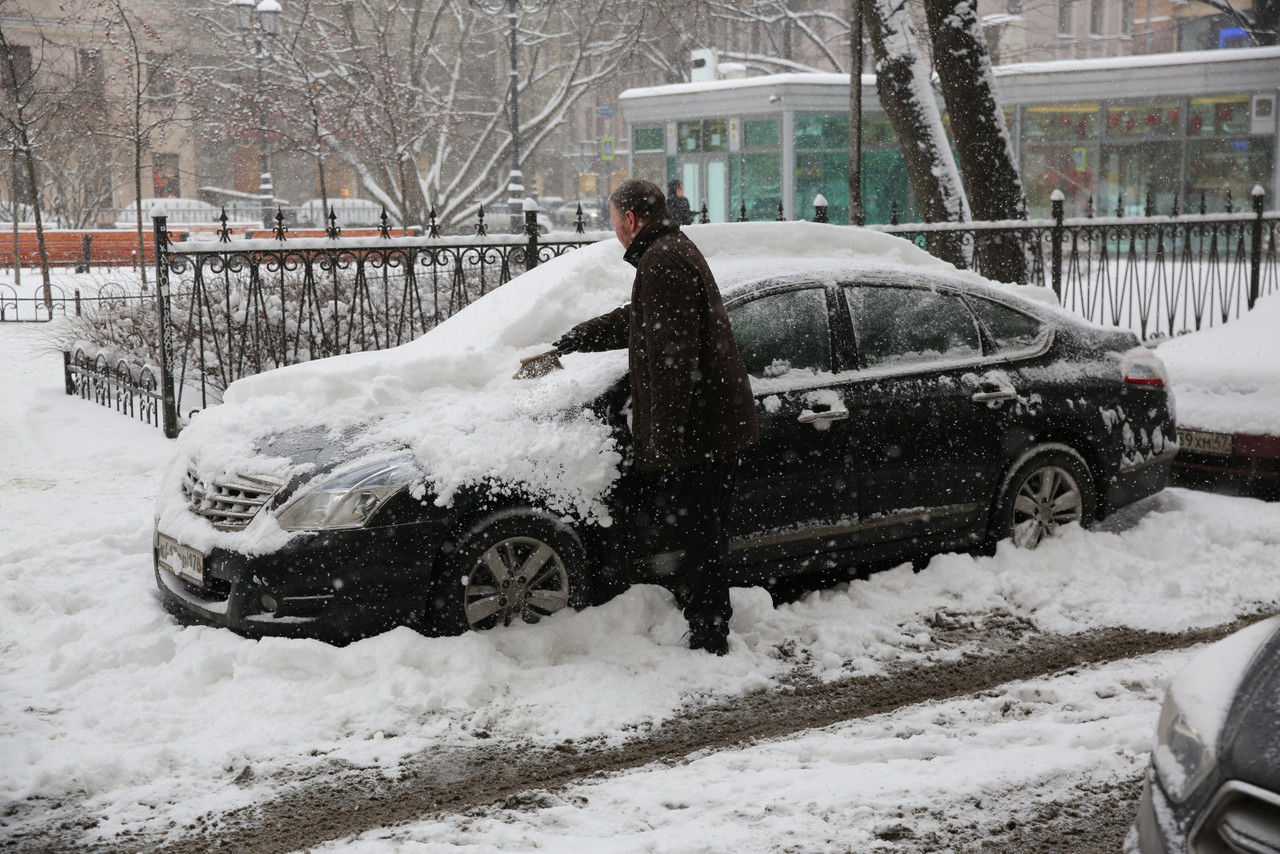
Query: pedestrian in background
677	205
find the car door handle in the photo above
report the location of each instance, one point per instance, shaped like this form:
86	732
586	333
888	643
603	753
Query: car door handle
811	417
989	396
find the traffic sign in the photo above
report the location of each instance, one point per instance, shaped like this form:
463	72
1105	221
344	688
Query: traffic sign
604	112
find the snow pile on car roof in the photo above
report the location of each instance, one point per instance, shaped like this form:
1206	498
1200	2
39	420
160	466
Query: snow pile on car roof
1227	378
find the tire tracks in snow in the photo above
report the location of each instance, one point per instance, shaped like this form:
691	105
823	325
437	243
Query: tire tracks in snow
511	775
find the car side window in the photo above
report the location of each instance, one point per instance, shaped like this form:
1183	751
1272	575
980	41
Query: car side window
904	326
1009	328
783	332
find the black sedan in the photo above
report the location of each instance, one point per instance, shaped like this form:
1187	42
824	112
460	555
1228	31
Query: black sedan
1214	783
903	413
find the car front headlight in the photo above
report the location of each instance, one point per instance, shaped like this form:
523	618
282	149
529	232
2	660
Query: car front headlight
1184	756
1197	705
348	498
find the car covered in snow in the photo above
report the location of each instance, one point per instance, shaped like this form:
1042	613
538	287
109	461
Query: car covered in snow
906	408
1214	781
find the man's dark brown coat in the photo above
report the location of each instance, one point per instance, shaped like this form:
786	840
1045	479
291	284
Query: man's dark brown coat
690	397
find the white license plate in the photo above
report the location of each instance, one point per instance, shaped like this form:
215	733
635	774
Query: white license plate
1205	442
182	561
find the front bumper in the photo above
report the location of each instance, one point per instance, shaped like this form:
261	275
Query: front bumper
335	586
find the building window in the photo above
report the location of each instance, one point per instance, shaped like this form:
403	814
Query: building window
16	72
1126	17
761	133
689	135
165	176
1219	115
649	139
1096	10
160	80
92	76
1064	18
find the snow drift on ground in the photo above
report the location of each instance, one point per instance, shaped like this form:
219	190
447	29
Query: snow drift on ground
112	705
1227	378
922	778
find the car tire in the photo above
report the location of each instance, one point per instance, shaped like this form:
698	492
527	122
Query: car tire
513	566
1049	488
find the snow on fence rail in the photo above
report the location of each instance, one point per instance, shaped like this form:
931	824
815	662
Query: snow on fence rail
232	307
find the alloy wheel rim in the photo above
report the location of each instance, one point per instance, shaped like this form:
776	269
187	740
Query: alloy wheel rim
1048	499
517	579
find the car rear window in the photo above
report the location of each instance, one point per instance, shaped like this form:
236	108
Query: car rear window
783	332
905	326
1009	328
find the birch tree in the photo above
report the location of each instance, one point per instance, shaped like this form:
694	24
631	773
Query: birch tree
978	127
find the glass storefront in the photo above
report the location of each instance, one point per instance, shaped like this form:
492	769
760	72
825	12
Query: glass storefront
1102	152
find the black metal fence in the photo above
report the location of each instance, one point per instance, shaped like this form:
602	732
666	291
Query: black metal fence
227	308
34	308
130	389
1156	275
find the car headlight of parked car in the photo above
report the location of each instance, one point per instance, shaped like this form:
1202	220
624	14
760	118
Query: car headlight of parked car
1184	756
1196	708
348	498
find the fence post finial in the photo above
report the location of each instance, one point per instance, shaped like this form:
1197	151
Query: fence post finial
1202	207
224	233
481	228
333	230
530	208
819	208
742	211
579	226
1088	207
1231	206
1120	204
384	223
1176	209
280	228
1149	208
893	213
780	214
702	217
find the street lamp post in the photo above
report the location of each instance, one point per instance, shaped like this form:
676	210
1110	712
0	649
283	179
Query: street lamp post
263	24
515	181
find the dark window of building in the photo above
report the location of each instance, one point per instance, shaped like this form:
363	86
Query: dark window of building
1126	17
649	139
165	176
92	75
15	70
160	77
689	135
1064	17
1096	10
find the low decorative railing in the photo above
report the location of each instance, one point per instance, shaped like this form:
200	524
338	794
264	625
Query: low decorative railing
129	389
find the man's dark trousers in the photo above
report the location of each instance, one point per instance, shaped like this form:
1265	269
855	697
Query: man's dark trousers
696	502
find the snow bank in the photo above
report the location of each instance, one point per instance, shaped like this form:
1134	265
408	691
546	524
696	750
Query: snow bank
1227	378
942	776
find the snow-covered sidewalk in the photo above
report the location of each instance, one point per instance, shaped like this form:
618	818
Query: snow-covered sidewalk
114	710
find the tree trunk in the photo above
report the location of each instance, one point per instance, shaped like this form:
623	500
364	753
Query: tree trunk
978	127
46	290
902	82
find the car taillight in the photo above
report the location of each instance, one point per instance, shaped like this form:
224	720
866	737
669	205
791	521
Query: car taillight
1140	366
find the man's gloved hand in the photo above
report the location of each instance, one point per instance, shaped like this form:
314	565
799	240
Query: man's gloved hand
538	366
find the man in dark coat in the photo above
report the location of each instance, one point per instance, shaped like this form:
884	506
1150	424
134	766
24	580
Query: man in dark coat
691	406
677	205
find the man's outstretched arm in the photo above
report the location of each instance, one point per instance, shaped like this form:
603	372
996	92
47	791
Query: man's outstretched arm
609	331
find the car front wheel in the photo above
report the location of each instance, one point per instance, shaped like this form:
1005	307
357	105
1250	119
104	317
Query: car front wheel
510	567
1050	489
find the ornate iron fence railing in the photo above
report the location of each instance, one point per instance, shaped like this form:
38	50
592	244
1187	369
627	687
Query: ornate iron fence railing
225	308
128	389
230	307
1156	275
